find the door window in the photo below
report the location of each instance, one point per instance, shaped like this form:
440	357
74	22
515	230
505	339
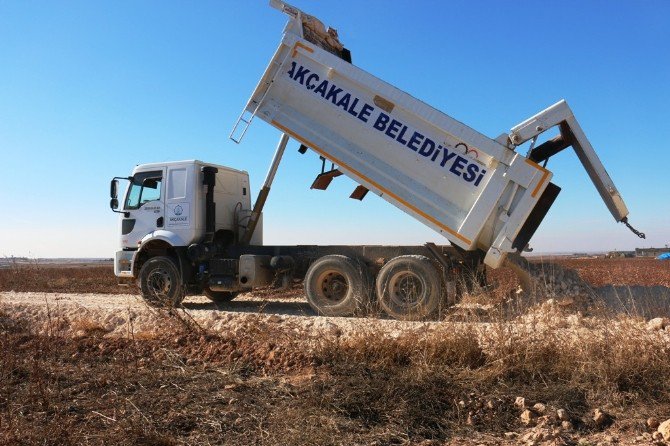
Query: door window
176	183
144	187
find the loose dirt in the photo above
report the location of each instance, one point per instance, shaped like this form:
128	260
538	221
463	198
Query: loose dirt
123	314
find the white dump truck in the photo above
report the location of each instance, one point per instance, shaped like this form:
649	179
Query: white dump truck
189	227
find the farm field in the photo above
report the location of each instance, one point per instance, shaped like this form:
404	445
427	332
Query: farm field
95	278
87	362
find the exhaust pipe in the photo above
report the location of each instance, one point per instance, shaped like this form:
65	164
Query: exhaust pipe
209	180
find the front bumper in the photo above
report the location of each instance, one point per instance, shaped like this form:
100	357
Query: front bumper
123	264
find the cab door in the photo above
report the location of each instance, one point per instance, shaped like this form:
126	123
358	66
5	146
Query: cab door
144	207
181	209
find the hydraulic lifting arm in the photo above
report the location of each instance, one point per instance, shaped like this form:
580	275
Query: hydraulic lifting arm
265	190
560	115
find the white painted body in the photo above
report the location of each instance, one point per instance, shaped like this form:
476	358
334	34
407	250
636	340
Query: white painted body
298	94
182	207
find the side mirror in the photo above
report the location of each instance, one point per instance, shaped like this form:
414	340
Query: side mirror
113	186
113	194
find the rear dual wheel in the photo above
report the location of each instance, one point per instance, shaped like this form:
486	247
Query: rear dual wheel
409	288
337	285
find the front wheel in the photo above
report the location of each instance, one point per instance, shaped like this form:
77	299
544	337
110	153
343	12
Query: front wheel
409	288
161	283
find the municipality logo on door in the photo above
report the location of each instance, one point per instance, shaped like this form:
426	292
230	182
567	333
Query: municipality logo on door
180	215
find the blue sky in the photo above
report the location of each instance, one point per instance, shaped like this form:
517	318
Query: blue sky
89	89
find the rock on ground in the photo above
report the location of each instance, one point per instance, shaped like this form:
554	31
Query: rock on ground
664	429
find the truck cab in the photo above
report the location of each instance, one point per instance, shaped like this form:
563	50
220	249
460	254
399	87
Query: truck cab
165	210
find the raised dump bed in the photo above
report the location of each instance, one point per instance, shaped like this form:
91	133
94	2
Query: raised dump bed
476	191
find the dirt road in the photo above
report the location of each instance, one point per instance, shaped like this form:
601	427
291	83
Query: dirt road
127	314
120	314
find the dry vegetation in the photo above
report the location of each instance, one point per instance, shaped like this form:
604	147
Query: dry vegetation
264	385
56	279
274	383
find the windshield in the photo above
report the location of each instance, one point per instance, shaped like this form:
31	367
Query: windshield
144	187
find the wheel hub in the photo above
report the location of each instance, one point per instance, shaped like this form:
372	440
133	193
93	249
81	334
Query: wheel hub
333	286
406	289
159	282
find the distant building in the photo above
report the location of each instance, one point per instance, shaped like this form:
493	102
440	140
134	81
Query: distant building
580	254
619	254
650	252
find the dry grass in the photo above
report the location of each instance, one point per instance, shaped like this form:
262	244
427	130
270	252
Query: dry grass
270	383
262	384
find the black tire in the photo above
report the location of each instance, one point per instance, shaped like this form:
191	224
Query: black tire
220	297
161	283
337	285
409	288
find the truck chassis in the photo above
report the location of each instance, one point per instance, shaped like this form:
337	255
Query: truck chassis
406	282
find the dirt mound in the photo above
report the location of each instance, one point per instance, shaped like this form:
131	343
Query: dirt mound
544	281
